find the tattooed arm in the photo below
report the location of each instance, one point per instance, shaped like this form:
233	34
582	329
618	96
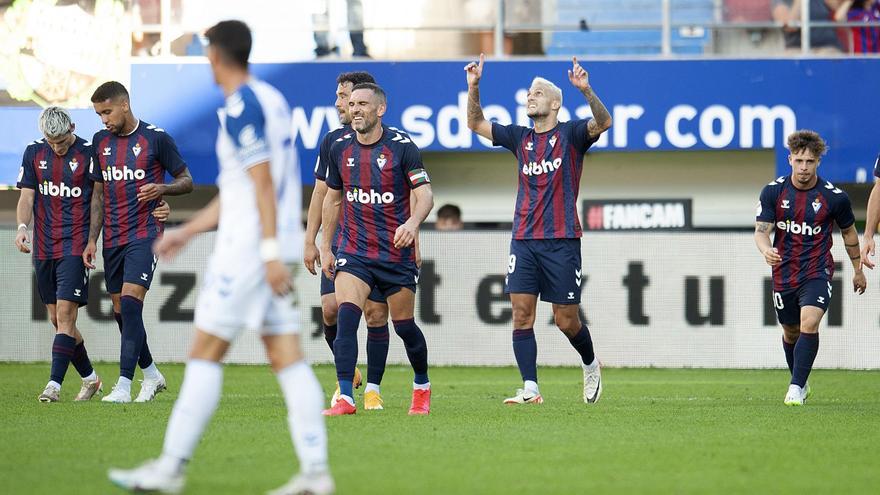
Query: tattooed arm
95	224
601	120
762	240
851	242
475	119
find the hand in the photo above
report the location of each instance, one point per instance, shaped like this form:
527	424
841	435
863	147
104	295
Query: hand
578	75
771	256
475	71
328	264
149	192
311	256
170	244
22	240
860	283
89	255
867	252
278	277
162	212
404	235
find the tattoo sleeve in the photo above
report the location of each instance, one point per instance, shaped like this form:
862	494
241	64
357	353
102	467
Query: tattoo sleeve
97	212
182	184
474	109
851	243
601	118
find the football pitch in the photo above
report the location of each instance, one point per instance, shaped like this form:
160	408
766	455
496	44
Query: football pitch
654	431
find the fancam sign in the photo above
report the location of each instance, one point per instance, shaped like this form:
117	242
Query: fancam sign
636	214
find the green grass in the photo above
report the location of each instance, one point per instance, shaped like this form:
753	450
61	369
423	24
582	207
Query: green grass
655	431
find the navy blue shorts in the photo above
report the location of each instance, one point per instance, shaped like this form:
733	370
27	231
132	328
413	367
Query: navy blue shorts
788	304
385	277
64	278
328	287
132	263
550	268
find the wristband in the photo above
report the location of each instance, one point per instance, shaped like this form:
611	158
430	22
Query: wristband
22	226
270	250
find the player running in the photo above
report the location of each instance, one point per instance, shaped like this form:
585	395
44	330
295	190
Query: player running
55	193
802	209
131	158
545	251
247	285
378	168
376	308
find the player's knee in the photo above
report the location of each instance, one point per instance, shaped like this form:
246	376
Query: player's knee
376	316
569	324
791	333
329	313
523	316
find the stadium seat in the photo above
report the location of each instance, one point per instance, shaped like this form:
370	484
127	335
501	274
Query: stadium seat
747	10
630	41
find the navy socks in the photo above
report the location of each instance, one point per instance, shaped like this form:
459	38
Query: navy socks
345	346
62	351
525	349
416	348
377	353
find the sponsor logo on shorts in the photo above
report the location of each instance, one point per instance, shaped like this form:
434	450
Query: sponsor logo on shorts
144	277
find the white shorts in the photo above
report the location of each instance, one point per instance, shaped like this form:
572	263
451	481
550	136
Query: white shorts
235	296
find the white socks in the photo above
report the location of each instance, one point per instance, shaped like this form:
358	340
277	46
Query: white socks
421	386
199	396
123	384
151	372
530	386
305	400
91	378
372	387
54	384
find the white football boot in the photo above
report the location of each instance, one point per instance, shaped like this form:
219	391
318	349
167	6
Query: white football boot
149	389
795	396
592	382
307	484
148	477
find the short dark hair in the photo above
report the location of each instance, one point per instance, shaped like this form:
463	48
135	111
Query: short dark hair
233	40
805	139
375	88
110	90
449	212
355	78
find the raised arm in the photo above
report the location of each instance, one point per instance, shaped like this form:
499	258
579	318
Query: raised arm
601	120
851	242
311	254
95	224
765	246
475	119
24	212
330	219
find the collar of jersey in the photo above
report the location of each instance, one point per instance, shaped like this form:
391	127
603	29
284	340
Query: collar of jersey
132	131
362	145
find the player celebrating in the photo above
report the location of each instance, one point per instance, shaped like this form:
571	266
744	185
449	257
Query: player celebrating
376	309
545	251
131	157
802	208
378	169
242	290
55	192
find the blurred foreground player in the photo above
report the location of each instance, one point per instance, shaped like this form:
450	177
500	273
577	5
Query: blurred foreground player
247	286
374	173
802	209
545	251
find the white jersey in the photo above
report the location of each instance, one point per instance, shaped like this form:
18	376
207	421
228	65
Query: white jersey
254	128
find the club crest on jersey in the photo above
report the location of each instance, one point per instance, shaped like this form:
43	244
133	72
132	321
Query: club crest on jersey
816	205
785	204
106	152
136	149
553	141
381	161
42	164
350	162
530	146
73	164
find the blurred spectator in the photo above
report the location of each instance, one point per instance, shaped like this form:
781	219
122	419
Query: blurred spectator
321	21
449	218
863	39
822	40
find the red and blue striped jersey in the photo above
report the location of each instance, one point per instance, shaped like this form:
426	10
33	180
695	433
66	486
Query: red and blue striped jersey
375	180
124	164
62	195
803	221
550	165
865	39
323	161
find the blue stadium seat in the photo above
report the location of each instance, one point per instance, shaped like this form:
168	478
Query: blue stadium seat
629	42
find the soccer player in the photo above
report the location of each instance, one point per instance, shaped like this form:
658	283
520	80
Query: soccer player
376	308
802	208
247	284
378	168
130	161
55	193
545	251
872	220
